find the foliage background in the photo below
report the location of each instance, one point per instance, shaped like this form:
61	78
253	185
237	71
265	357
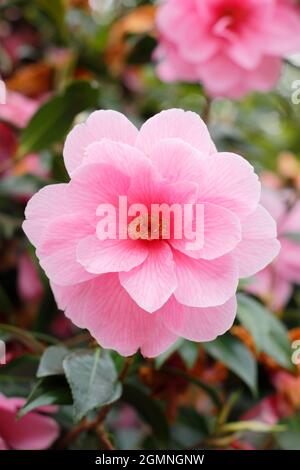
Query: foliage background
71	60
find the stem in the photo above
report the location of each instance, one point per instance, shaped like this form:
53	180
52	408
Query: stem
78	339
104	439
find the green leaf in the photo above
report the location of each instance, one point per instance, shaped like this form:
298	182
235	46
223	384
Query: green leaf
23	336
51	362
59	172
23	367
53	119
162	358
190	429
293	236
47	391
189	352
93	379
55	10
231	352
142	50
290	439
6	305
149	410
269	334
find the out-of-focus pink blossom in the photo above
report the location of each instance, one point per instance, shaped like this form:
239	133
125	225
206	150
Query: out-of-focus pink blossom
127	418
275	283
34	431
231	46
15	42
288	388
18	109
30	164
62	327
240	445
29	285
267	411
2	92
145	293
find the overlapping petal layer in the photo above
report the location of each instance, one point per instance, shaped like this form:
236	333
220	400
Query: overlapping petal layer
142	292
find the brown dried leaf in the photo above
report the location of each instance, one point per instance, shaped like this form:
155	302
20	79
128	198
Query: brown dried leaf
139	21
32	80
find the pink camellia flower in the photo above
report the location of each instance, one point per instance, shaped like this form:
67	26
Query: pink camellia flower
231	46
145	292
34	431
274	284
266	410
30	164
29	285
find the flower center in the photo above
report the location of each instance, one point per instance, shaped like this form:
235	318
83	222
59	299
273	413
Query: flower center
147	227
229	18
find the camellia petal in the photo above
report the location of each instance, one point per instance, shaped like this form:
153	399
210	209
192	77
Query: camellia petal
101	124
184	125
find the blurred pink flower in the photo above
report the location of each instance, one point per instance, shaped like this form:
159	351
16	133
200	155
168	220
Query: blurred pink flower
62	326
275	283
2	92
29	285
18	109
281	404
288	389
31	163
127	418
146	293
34	431
16	42
231	46
266	411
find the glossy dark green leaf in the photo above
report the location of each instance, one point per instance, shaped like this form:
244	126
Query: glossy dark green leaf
190	429
24	366
231	352
93	379
290	438
162	358
189	351
270	335
59	172
51	362
149	410
54	118
48	391
55	10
